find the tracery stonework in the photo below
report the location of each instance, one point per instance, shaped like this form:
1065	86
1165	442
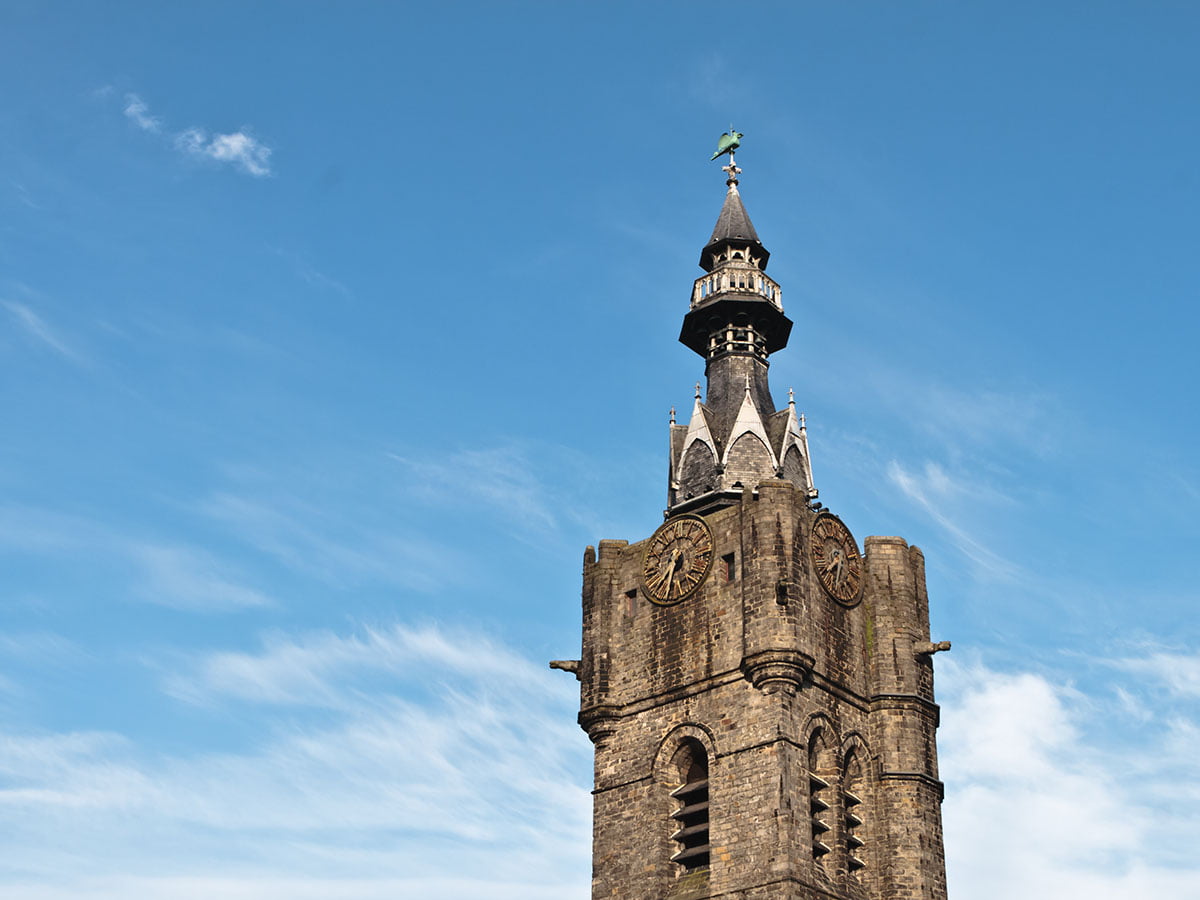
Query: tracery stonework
758	687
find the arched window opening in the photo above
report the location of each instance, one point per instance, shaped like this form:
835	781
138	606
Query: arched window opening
818	799
852	804
691	764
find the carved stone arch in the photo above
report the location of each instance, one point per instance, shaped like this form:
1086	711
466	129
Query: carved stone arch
698	467
855	743
858	806
793	466
711	453
748	453
662	768
821	749
818	721
682	768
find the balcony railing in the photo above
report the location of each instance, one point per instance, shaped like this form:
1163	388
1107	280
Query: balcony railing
736	281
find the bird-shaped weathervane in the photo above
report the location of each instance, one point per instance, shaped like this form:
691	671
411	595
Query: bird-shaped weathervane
729	142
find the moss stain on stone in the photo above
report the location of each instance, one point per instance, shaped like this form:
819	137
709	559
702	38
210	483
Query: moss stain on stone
693	886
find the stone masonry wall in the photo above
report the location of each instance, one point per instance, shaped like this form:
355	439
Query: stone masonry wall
765	671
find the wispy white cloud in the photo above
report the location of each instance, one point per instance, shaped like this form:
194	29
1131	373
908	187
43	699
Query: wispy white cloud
238	148
312	669
314	276
168	573
500	477
538	490
201	886
377	518
138	112
23	194
937	492
1187	486
188	577
21	649
964	419
1178	672
1030	420
38	645
436	752
432	753
36	327
326	539
1030	778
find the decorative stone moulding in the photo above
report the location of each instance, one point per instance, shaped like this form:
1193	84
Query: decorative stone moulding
772	671
600	722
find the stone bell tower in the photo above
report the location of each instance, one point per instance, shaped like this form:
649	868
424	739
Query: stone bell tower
759	691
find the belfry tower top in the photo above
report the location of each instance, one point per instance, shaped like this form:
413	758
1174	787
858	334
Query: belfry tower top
735	321
757	684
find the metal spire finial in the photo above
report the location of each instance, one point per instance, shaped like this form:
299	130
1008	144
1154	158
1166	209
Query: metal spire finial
747	384
791	397
697	390
672	415
802	421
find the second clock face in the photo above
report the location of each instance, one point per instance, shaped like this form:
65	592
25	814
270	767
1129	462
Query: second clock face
835	559
677	558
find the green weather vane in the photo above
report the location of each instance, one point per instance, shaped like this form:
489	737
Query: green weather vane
729	142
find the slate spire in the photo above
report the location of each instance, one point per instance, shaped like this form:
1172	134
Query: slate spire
737	438
733	226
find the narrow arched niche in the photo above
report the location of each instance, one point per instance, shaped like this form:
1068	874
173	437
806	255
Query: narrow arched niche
855	811
821	774
689	768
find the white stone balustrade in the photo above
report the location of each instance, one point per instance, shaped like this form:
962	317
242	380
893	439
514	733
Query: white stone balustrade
734	281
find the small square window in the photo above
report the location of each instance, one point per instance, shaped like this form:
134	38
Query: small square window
728	569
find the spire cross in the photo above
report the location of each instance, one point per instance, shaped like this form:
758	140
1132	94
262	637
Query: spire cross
791	397
697	390
733	170
803	421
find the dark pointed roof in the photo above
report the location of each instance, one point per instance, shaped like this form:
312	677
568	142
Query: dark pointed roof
733	226
733	222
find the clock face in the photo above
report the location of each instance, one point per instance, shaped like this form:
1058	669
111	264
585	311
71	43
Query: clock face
836	559
677	558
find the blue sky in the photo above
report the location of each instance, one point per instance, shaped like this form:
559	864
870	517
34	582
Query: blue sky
330	335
